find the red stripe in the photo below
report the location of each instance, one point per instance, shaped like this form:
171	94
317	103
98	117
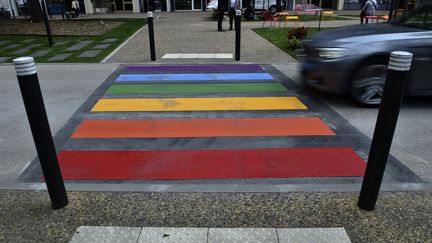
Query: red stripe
210	164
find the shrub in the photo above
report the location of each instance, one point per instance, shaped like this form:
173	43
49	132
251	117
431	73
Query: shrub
293	43
299	33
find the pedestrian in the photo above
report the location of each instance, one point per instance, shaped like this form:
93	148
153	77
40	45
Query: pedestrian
221	11
231	13
368	10
75	8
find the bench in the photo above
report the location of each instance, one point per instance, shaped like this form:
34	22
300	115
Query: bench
287	18
377	17
329	13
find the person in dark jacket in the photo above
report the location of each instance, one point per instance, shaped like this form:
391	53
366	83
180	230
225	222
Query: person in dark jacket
222	6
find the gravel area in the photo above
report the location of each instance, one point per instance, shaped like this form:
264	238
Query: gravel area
58	27
400	217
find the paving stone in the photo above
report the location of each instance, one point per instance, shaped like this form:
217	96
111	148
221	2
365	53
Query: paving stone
4	59
3	42
177	235
40	53
28	40
95	234
60	57
60	43
78	46
91	53
250	235
26	49
322	235
111	40
101	46
12	46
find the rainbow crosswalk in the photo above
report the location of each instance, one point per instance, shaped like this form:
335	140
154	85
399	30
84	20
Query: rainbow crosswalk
204	101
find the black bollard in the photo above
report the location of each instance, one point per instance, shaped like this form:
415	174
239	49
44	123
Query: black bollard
151	35
33	101
47	26
237	35
394	88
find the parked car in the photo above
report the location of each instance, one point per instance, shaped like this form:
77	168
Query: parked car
354	59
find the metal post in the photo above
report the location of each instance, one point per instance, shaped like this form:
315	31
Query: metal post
33	101
394	88
47	26
237	35
151	35
319	22
203	5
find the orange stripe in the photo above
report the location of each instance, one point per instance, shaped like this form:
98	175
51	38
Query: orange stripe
226	127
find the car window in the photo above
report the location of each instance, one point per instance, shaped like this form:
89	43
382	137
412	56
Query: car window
419	18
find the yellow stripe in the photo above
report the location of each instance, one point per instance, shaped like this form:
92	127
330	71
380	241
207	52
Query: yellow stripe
199	104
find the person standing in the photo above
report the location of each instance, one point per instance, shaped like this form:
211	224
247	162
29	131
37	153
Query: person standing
368	10
221	10
75	8
231	13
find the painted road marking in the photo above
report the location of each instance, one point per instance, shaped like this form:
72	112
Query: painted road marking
198	55
196	68
199	104
221	127
192	77
194	88
210	164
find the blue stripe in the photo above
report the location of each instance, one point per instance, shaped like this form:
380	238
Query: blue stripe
193	77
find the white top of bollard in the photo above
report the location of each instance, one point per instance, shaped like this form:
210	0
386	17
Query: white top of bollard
400	61
149	14
238	12
24	66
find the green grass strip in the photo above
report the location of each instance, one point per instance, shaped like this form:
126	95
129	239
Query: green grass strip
278	36
194	88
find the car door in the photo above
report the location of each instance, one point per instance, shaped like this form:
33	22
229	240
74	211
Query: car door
421	47
421	68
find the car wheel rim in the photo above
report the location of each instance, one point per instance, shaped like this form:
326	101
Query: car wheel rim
368	84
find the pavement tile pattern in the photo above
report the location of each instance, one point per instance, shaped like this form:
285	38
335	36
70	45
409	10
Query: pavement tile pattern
91	53
40	53
201	135
78	46
59	57
209	235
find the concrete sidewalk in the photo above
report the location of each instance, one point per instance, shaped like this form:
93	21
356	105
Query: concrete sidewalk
399	217
183	32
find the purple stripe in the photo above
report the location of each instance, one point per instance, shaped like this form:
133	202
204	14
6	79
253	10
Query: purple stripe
196	68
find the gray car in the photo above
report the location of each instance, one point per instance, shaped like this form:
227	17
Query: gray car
354	59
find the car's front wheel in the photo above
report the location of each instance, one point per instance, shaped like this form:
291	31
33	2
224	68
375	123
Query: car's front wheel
368	83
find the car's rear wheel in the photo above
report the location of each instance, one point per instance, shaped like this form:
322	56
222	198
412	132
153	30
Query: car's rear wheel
368	83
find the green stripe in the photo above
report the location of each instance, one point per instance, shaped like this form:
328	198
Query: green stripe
194	88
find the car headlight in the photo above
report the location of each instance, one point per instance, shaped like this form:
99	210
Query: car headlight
332	53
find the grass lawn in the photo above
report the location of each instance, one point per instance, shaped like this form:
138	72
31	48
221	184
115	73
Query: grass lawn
278	36
9	44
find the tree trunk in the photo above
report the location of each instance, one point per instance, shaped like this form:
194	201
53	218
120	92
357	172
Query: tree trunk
35	10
